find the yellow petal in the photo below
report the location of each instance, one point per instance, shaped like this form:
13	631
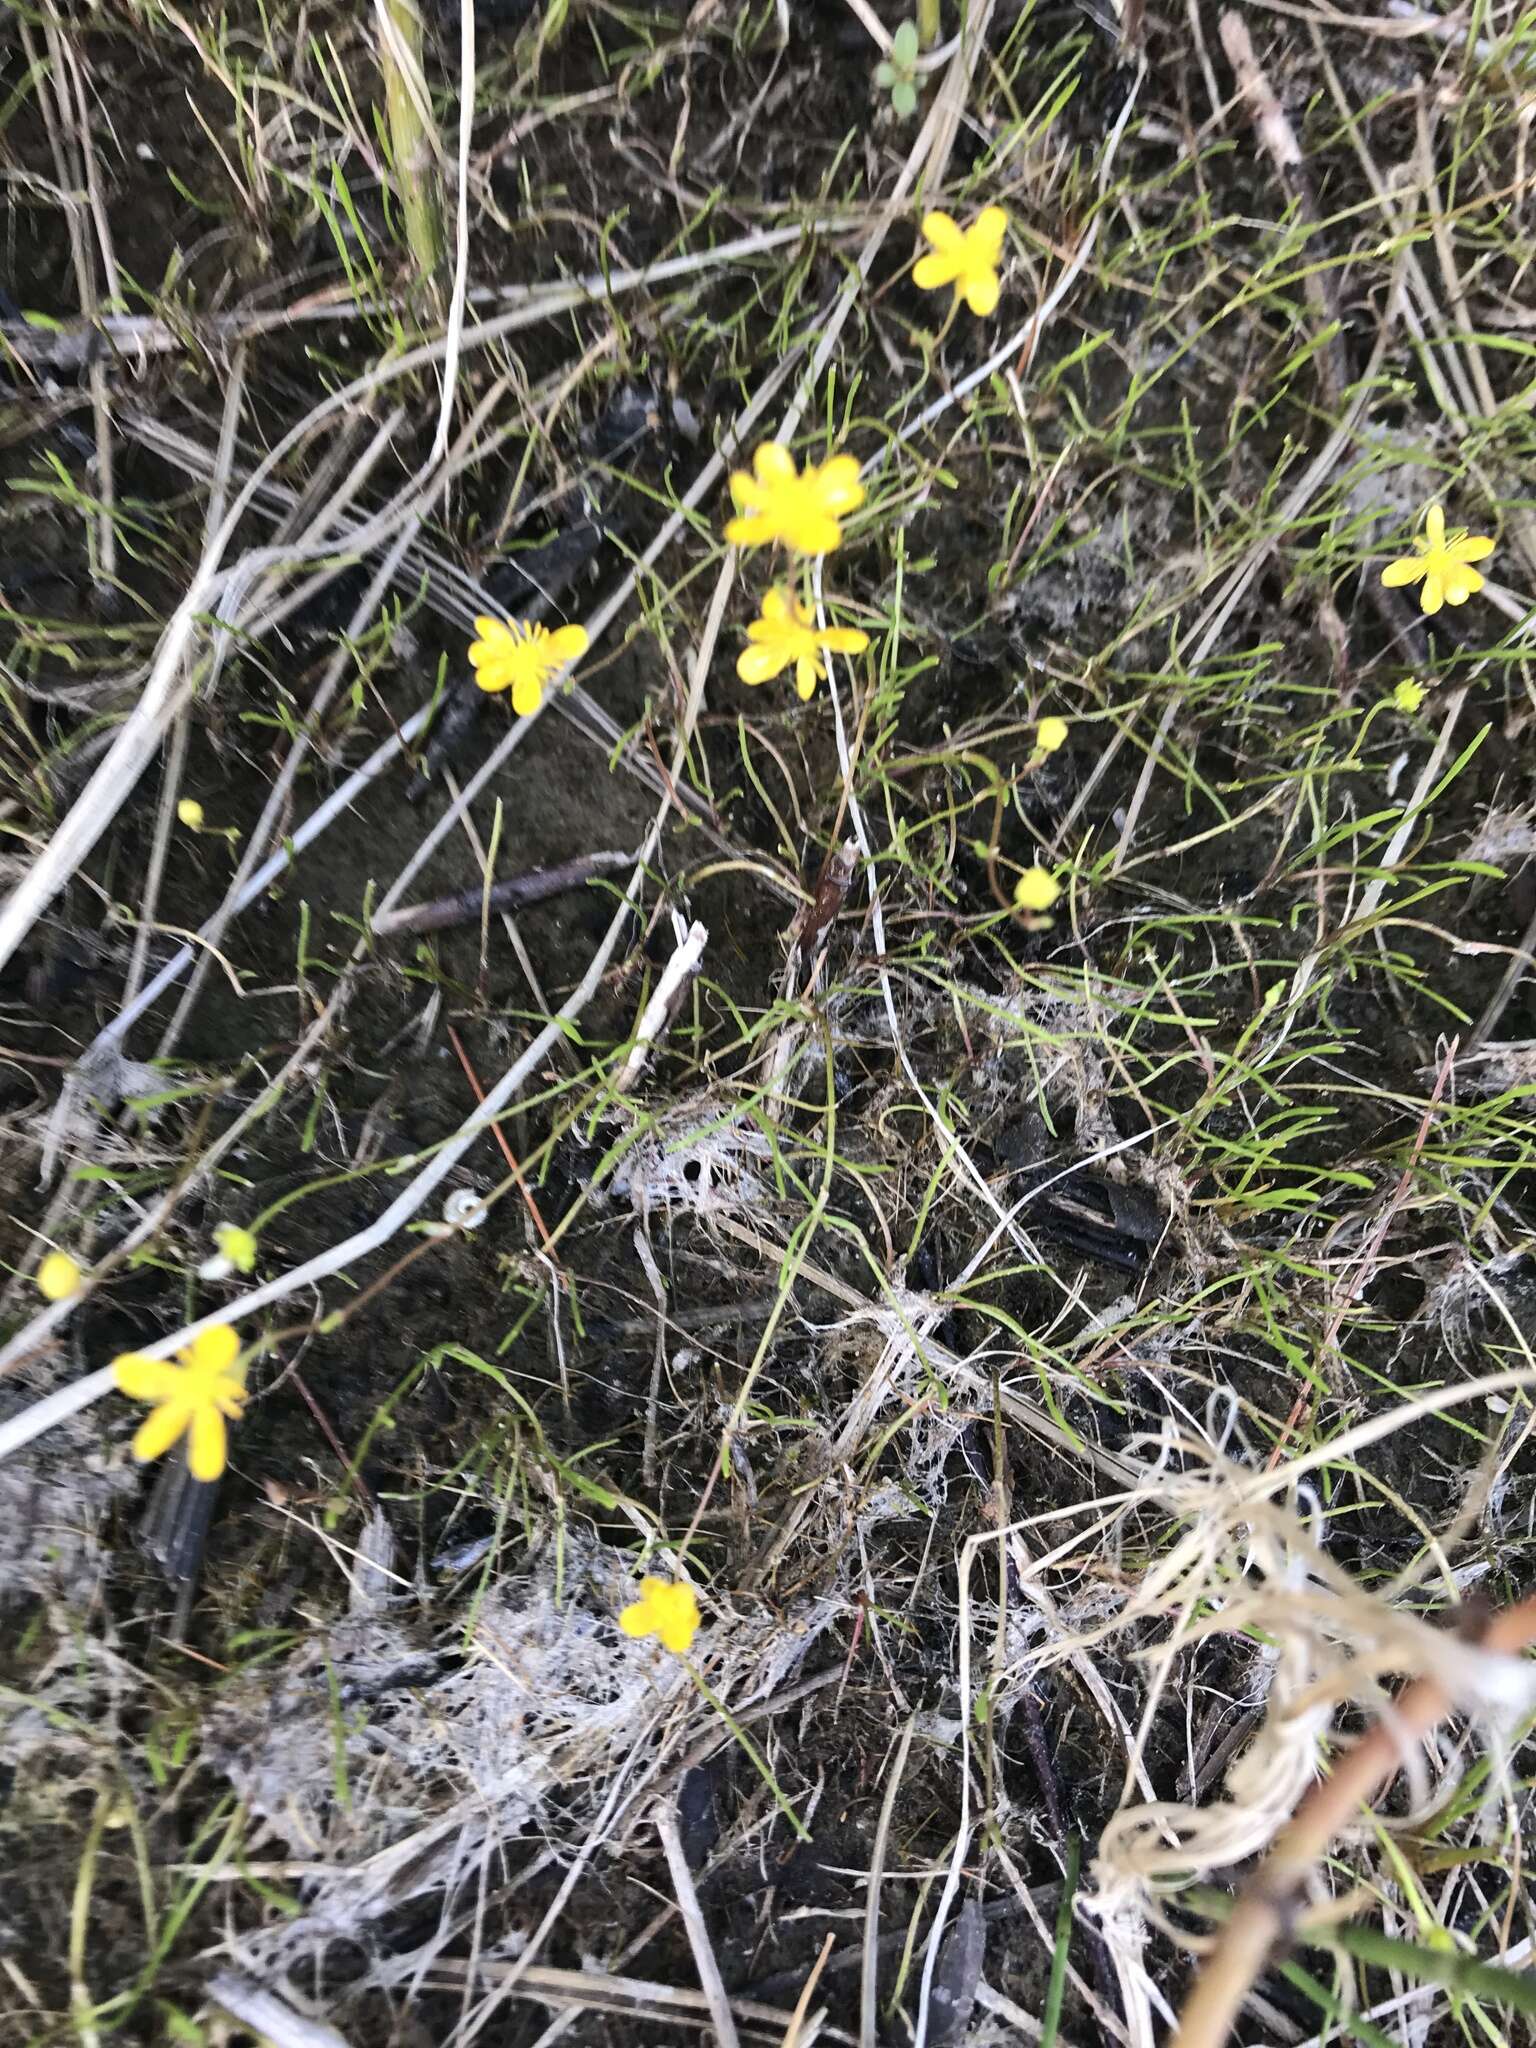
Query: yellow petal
1472	547
1432	596
808	673
146	1379
209	1445
674	1615
749	531
774	464
987	232
743	490
1434	526
838	485
1460	583
677	1632
981	292
1406	569
844	640
776	608
527	695
491	630
214	1350
759	664
567	643
814	533
942	231
635	1620
932	273
160	1429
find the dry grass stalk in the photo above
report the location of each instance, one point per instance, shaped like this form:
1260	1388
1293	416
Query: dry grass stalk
693	1921
413	143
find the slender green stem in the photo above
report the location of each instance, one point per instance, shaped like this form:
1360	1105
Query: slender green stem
79	1920
759	1762
1463	1976
1348	2023
928	22
1050	2019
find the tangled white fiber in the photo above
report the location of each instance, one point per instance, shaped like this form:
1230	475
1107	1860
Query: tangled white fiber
1249	1565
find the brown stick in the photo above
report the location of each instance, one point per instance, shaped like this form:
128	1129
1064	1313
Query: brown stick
515	893
1268	1904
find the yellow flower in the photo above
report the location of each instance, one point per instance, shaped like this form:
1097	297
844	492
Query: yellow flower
1036	889
778	502
58	1277
193	1395
236	1245
509	655
785	633
1408	695
1050	734
1443	561
967	258
666	1610
190	812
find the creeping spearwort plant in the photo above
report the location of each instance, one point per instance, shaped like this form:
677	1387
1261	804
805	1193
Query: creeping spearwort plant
1441	562
966	258
666	1609
803	509
785	632
509	655
192	1396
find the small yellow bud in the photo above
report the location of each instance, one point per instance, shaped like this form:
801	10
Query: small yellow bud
1050	734
58	1277
237	1245
190	812
1408	695
1036	889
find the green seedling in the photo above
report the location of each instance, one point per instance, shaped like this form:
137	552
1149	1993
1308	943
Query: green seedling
897	74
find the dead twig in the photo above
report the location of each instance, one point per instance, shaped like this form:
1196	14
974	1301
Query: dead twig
663	1006
273	2018
516	892
795	2035
602	1991
698	1934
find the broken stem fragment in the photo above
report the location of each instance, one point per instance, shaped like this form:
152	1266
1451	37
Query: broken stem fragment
516	892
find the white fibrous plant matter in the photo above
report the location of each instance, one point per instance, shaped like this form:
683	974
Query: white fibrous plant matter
1223	1559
